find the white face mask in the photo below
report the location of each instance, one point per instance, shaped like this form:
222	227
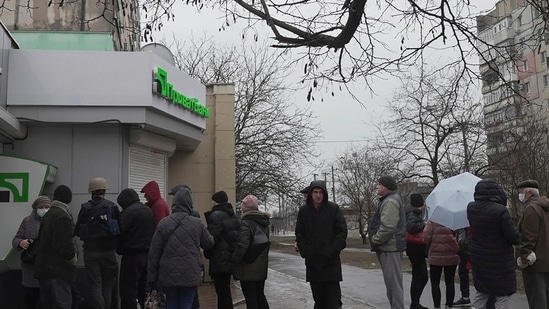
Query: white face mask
522	198
42	211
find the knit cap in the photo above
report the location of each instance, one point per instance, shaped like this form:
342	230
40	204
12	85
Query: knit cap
41	200
220	197
416	200
63	194
388	182
250	202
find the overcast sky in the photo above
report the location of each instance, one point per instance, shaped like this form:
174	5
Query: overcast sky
344	121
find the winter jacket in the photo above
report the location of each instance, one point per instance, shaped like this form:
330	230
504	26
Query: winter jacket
387	229
441	244
534	233
493	235
321	234
174	258
224	227
136	224
99	244
27	230
157	204
257	270
56	258
414	225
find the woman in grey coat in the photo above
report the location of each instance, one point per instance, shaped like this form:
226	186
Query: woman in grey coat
174	260
252	275
27	233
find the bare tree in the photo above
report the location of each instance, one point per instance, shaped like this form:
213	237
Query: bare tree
358	171
273	136
436	125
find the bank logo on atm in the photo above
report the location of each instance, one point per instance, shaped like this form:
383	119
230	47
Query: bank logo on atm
14	185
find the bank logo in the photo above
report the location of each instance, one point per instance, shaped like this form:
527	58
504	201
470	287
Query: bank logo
17	185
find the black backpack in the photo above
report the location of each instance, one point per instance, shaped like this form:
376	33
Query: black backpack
258	242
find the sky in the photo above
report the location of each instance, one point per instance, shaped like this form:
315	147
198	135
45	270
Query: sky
344	121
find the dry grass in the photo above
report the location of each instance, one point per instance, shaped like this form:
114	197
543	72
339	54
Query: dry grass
365	260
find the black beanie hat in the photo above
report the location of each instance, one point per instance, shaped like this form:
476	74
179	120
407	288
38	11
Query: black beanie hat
220	197
416	200
63	194
388	182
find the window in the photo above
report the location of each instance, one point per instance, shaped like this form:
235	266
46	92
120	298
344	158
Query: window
543	56
525	65
546	80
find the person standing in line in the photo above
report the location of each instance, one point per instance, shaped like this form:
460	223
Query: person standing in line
463	235
97	226
252	275
136	232
155	201
23	239
416	252
442	257
55	264
224	227
387	233
321	233
534	242
174	260
493	234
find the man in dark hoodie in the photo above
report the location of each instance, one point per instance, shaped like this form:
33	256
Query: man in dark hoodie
321	233
55	265
155	201
136	232
97	226
224	227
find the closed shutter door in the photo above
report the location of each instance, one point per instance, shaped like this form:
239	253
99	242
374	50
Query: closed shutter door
147	164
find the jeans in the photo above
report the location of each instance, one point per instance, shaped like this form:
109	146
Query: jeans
55	294
180	297
222	283
254	294
133	280
102	268
463	275
419	277
449	273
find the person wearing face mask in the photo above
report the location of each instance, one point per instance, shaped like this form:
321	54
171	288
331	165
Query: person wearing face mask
533	248
27	233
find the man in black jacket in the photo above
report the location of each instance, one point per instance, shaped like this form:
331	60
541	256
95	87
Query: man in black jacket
224	227
321	233
55	265
136	232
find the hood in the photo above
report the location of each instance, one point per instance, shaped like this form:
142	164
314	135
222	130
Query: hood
152	190
317	184
259	217
542	202
226	207
489	190
127	197
182	201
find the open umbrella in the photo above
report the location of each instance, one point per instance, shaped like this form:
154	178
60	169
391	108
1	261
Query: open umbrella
447	204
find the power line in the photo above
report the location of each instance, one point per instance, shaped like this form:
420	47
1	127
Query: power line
343	141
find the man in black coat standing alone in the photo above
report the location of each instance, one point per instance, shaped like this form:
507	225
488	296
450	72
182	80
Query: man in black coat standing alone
321	233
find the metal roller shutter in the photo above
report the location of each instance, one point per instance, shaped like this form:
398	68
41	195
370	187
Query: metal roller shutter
147	164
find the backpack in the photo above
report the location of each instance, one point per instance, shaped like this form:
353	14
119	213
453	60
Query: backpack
463	236
97	220
258	242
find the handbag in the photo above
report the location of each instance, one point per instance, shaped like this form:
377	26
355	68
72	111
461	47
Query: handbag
416	238
153	300
259	242
29	255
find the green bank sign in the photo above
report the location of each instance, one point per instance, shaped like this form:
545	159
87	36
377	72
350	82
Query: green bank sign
165	89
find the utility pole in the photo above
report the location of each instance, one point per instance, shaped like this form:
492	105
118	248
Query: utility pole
333	186
314	175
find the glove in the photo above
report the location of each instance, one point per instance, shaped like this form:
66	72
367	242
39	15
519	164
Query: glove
531	259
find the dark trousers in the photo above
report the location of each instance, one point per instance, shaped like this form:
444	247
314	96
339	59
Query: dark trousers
133	280
102	269
32	296
55	294
449	273
463	275
222	283
326	294
419	277
254	293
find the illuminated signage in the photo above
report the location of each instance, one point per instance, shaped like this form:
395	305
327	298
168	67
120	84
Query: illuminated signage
165	89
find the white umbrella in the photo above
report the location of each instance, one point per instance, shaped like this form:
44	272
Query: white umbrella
447	204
